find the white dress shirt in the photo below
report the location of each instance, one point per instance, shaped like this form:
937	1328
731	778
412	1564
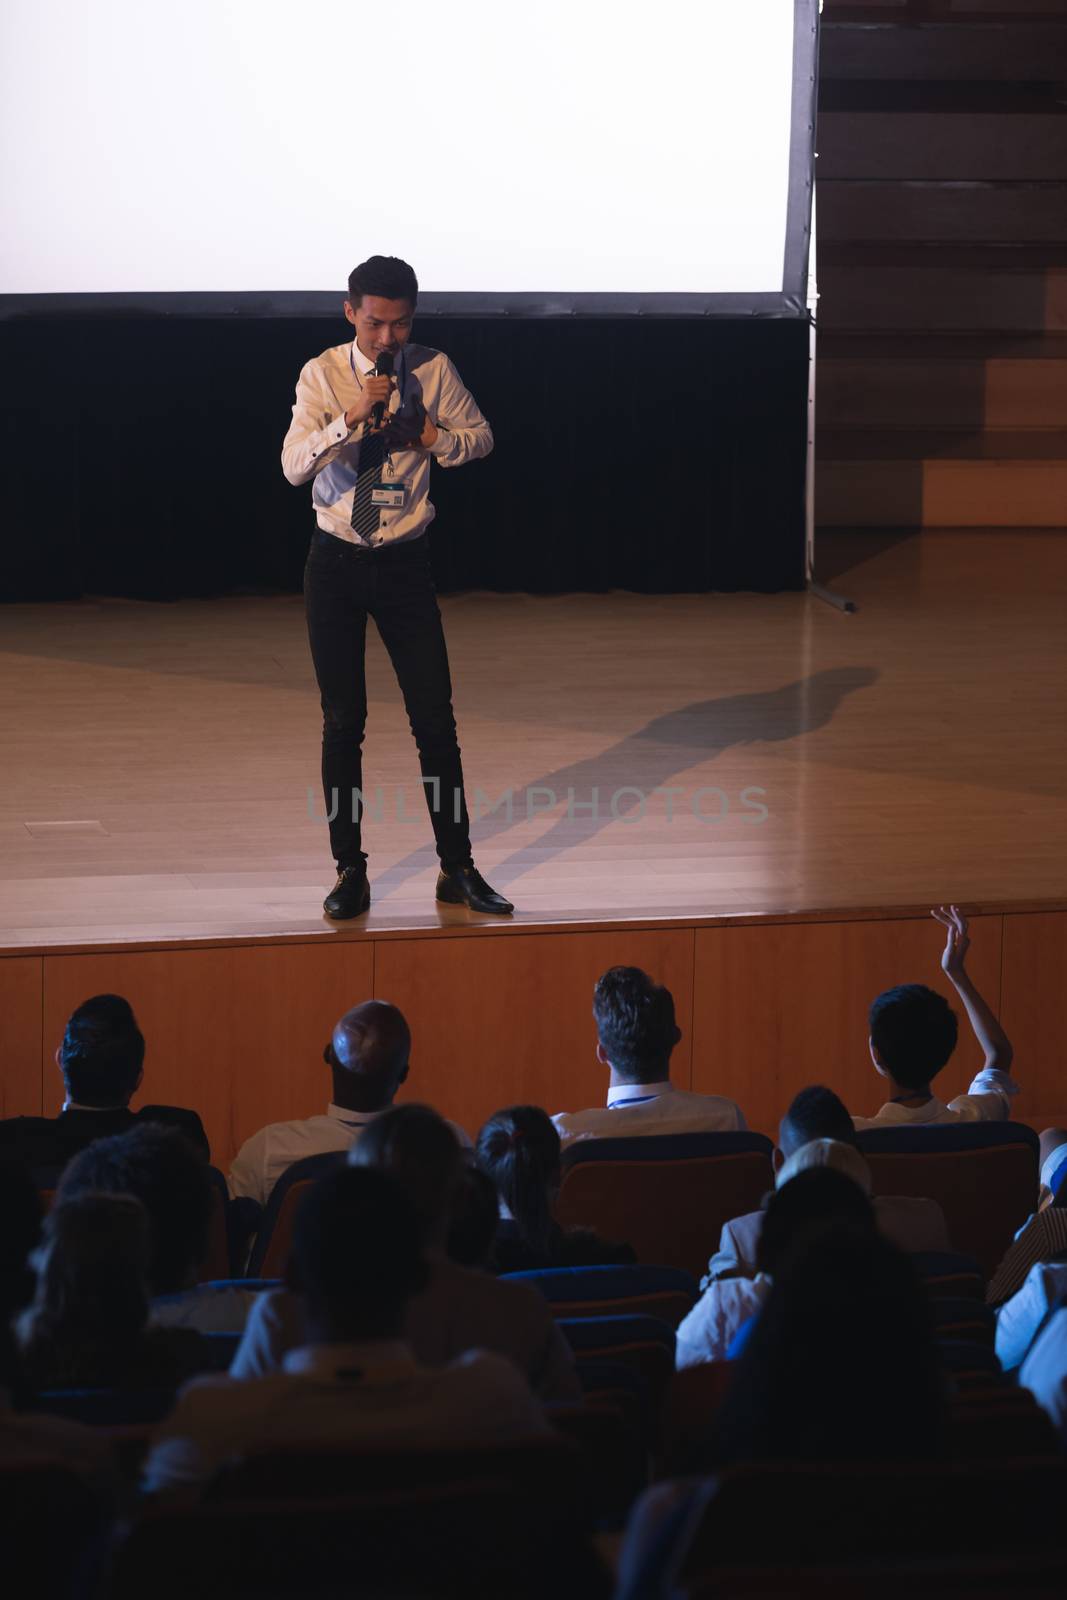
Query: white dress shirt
707	1332
263	1158
1020	1317
320	446
648	1108
1044	1372
987	1100
341	1394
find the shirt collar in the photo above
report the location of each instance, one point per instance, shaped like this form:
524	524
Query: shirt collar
365	1361
351	1119
363	366
628	1093
75	1105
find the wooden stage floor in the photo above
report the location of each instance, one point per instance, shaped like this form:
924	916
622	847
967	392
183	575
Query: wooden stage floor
162	759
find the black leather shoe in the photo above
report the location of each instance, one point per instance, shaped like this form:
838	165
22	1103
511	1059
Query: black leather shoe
349	896
465	886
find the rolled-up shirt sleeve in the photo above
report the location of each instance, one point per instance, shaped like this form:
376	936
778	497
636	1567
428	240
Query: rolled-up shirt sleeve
988	1099
463	433
318	431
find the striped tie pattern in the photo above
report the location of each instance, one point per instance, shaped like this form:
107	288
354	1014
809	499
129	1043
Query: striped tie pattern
365	516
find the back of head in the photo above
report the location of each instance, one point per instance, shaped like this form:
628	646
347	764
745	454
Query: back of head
102	1053
418	1147
811	1201
841	1363
914	1030
357	1254
635	1024
369	1053
520	1149
170	1178
833	1154
91	1298
815	1113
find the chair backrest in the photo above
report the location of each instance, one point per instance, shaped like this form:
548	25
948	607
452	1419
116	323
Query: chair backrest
216	1263
948	1275
644	1343
105	1407
53	1521
664	1292
271	1249
983	1175
964	1319
667	1195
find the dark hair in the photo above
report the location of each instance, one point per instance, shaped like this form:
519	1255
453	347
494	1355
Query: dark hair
90	1307
169	1177
914	1030
816	1113
357	1253
811	1200
519	1148
102	1052
387	277
419	1148
841	1361
20	1209
635	1022
472	1231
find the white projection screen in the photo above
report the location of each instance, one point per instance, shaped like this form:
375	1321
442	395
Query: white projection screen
557	157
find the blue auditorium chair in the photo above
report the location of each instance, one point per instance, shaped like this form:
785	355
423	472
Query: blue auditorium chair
665	1292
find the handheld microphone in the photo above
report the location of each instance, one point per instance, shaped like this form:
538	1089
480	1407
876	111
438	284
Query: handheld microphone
383	369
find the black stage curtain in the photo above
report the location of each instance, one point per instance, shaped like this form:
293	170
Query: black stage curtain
141	457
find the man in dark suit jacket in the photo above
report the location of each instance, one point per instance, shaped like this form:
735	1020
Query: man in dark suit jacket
102	1062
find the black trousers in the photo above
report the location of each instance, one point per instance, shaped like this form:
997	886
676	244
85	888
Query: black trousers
344	584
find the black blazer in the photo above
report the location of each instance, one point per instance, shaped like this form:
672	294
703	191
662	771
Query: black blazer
46	1144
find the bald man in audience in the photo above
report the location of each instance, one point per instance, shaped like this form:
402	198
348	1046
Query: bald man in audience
368	1055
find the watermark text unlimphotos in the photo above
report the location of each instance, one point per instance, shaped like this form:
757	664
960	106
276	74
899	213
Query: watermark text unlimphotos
628	803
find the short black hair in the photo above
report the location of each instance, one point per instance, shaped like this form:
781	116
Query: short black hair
169	1177
914	1030
385	276
817	1113
102	1053
813	1200
635	1022
419	1148
357	1254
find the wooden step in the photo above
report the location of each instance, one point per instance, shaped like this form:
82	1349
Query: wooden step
973	392
941	145
942	298
989	49
1011	213
940	493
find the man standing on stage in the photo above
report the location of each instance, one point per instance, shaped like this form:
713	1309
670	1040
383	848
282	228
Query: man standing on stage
366	440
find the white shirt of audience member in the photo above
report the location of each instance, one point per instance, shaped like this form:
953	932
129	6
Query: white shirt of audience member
341	1393
987	1100
650	1108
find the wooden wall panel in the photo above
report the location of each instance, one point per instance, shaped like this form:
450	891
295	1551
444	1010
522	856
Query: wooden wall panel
20	1036
780	1006
236	1033
498	1022
1034	1011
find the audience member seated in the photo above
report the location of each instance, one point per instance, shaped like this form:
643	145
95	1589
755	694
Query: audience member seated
1044	1371
459	1308
28	1436
1053	1165
1041	1239
520	1150
824	1181
636	1033
357	1262
474	1219
102	1062
87	1325
913	1033
159	1168
817	1113
841	1363
368	1057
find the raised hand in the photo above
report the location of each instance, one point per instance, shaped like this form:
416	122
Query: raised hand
957	943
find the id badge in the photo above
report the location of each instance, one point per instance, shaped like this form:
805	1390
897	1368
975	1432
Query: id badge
390	496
